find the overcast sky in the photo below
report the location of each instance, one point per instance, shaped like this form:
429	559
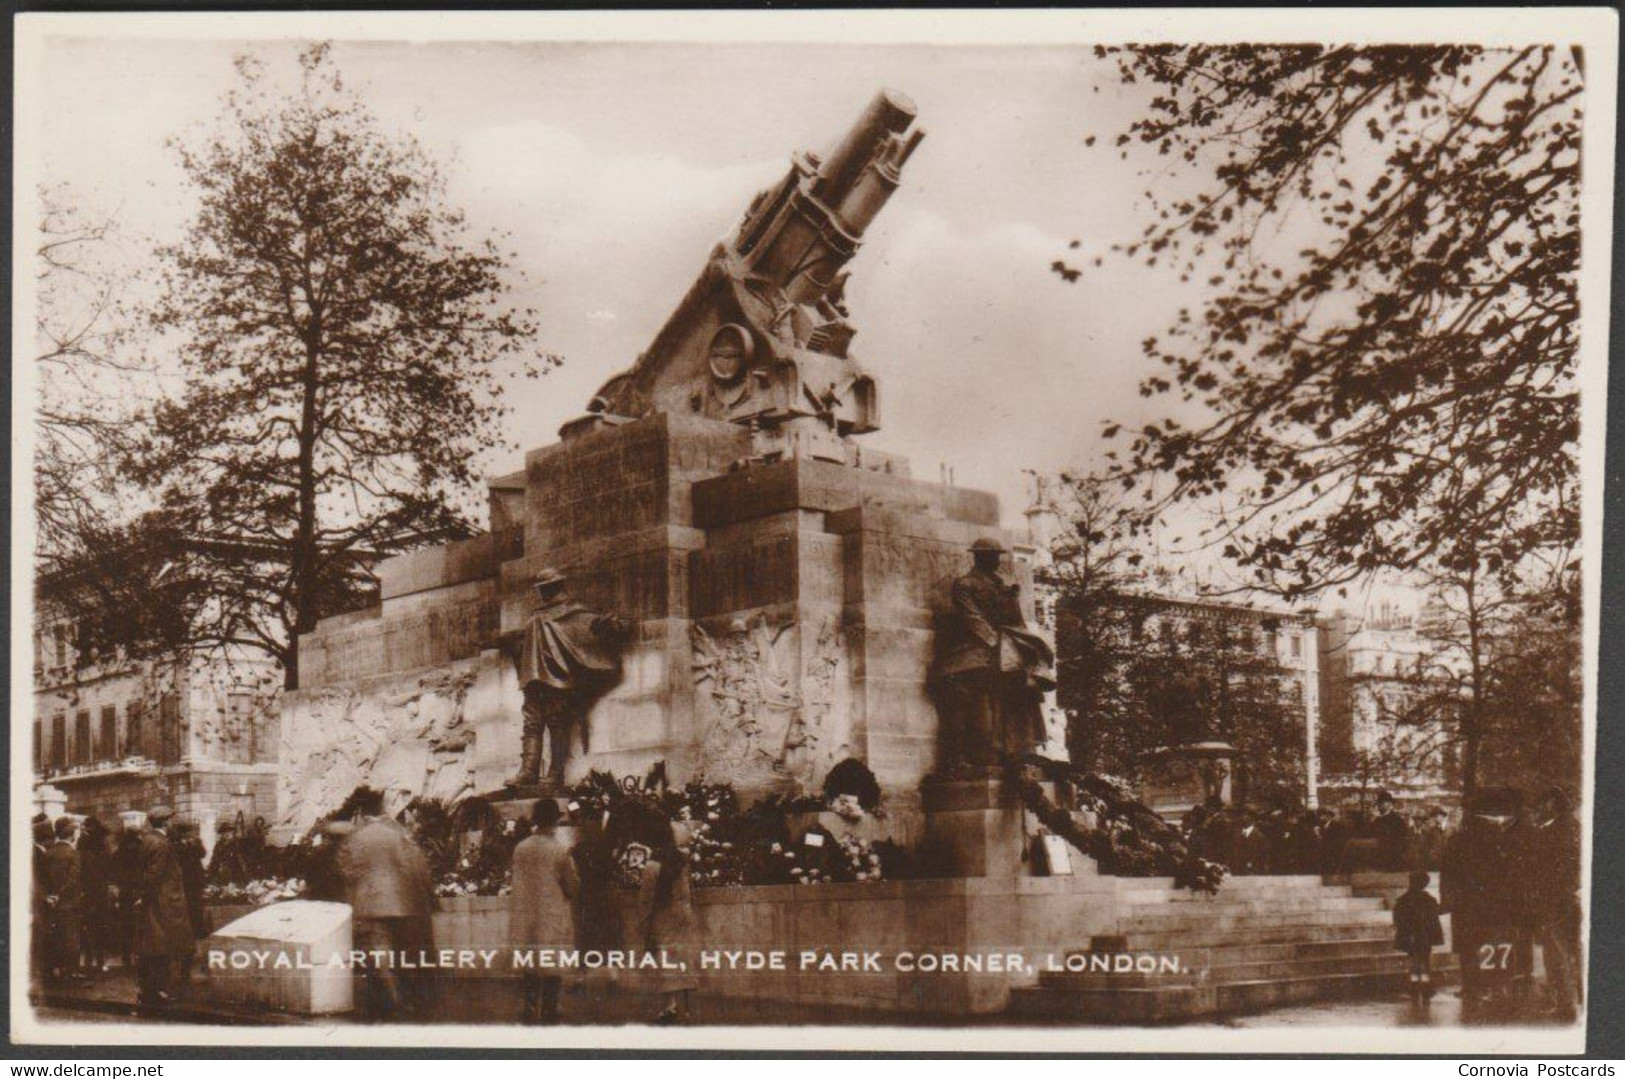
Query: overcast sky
617	167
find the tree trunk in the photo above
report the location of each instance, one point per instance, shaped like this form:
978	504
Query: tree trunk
1472	726
302	585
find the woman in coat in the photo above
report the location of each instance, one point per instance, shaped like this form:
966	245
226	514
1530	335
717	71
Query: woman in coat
665	921
541	908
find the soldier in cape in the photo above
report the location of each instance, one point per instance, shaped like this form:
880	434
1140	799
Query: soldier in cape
568	656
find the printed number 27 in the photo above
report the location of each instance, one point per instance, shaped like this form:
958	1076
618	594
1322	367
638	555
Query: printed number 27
1494	956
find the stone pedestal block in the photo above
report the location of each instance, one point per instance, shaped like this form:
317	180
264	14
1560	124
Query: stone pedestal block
286	957
977	825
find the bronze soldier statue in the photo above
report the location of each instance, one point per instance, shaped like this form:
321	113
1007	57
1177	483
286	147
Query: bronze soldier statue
992	670
569	655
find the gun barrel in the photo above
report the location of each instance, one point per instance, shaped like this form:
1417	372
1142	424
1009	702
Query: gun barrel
890	113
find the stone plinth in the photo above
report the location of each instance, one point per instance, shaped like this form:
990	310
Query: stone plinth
784	612
978	826
907	925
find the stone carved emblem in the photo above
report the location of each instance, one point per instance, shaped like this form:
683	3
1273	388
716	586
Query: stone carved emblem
730	354
768	715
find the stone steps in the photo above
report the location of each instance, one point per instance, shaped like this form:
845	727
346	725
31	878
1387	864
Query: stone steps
1227	893
1283	932
1261	942
1261	905
1232	951
1199	920
1307	882
1251	953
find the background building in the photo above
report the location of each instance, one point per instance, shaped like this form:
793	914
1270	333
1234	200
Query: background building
114	731
1380	679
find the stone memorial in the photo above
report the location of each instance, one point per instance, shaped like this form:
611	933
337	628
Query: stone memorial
754	597
710	570
781	585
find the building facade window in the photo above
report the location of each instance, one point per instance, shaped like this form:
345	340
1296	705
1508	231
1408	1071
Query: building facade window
135	738
81	737
107	744
169	729
59	742
39	746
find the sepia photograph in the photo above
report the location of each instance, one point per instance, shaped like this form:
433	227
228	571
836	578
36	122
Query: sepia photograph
1000	531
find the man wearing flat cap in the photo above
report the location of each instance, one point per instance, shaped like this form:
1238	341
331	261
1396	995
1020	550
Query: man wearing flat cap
163	929
568	657
991	671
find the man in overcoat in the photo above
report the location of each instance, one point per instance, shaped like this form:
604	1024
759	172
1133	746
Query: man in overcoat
1482	883
568	657
39	921
64	902
991	671
163	928
1392	835
391	893
541	909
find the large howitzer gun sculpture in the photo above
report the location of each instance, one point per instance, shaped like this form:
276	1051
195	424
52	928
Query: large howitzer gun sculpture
762	337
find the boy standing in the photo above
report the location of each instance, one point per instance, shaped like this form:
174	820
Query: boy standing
1416	932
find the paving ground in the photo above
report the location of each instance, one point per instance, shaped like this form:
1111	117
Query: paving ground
1445	1010
111	997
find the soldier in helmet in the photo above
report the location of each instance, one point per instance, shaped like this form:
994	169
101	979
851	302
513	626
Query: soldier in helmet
992	670
569	655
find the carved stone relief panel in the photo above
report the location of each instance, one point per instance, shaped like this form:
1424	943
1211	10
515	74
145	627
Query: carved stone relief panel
412	737
772	703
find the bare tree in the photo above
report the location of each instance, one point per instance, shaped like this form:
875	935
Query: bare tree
84	357
344	340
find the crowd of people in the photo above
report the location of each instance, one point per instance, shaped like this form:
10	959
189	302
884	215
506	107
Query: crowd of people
1283	837
1508	875
131	898
564	895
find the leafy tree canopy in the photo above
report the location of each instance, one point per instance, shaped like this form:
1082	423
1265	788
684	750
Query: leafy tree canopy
1383	372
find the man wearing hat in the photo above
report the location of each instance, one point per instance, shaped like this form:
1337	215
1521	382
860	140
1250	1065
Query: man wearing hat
1553	845
569	655
991	670
64	900
1392	835
163	931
